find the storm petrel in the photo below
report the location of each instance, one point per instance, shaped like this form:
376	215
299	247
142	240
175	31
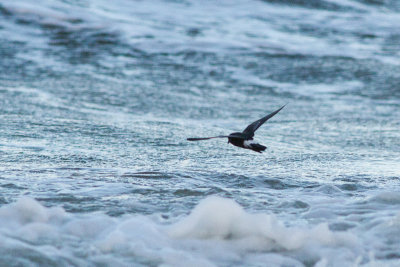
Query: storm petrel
245	138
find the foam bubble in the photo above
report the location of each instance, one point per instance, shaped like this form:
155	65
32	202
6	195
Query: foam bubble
219	218
27	210
218	231
387	198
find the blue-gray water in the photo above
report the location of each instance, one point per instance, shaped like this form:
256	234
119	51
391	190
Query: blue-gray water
98	97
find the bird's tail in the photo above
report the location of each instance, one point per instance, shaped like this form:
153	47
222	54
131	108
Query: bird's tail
258	148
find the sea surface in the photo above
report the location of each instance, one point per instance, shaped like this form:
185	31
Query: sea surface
98	97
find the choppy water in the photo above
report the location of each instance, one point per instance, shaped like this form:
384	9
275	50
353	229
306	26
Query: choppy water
97	99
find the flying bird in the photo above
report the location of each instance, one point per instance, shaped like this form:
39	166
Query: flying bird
244	139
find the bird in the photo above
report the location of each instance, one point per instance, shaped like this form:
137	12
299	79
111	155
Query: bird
244	139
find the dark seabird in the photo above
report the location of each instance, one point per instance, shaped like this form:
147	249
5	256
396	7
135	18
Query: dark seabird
245	138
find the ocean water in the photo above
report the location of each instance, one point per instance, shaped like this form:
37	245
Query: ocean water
98	97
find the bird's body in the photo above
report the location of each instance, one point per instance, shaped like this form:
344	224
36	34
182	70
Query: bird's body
239	139
244	139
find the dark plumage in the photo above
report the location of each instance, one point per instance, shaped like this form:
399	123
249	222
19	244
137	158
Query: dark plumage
244	139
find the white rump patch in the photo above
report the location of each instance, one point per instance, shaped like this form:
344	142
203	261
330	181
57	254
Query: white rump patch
248	143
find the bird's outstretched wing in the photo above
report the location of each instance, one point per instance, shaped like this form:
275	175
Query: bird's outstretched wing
249	131
205	138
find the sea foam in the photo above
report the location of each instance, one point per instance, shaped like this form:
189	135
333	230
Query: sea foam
219	218
218	231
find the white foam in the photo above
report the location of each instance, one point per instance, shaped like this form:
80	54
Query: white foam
387	197
219	218
26	211
217	232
